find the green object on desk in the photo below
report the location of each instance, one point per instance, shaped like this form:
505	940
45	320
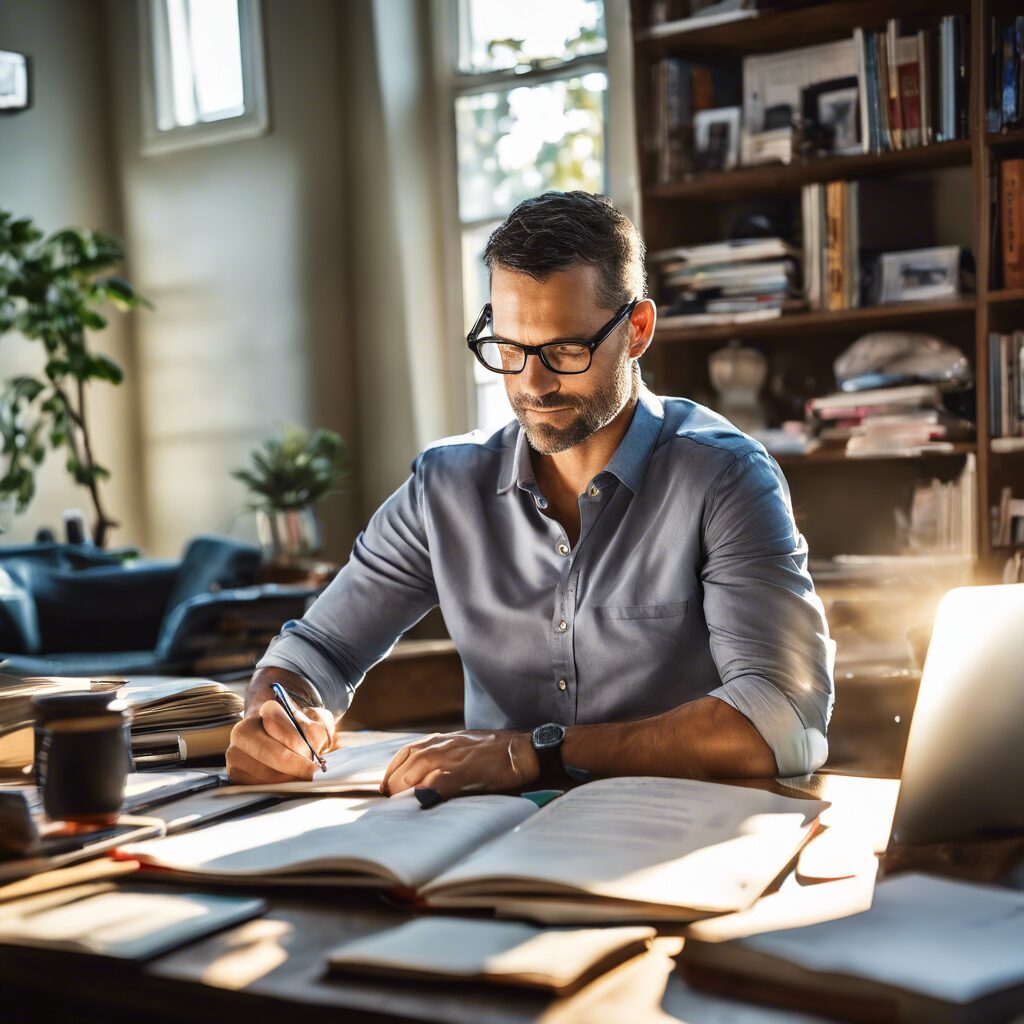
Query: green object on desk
542	796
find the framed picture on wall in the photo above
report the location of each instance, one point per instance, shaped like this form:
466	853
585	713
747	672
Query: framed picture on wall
15	91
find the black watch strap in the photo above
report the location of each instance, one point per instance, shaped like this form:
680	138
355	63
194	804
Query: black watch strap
547	743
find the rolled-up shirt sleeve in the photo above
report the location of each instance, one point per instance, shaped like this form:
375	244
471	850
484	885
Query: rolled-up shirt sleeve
768	633
385	588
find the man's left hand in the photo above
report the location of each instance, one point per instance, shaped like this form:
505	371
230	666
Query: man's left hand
456	763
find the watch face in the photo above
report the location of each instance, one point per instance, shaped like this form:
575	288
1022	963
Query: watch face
546	736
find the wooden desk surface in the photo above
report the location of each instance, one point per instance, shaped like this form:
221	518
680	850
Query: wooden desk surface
274	967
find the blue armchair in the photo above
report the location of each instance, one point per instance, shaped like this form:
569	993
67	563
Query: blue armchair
74	610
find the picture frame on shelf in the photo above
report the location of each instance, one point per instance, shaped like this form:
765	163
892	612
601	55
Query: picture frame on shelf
834	105
920	275
716	139
15	82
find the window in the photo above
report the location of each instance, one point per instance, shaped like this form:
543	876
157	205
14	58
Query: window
531	106
203	76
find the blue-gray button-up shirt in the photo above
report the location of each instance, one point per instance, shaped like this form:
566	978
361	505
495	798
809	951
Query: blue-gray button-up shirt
689	579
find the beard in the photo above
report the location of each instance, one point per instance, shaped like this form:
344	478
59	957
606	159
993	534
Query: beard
590	413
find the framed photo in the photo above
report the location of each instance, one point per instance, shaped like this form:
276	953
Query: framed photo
835	105
716	139
919	275
15	94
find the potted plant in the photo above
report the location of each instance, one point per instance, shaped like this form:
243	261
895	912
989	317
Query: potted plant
287	476
51	290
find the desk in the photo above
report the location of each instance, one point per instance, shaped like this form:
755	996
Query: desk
272	969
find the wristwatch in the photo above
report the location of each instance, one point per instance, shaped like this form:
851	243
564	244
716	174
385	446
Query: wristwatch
547	741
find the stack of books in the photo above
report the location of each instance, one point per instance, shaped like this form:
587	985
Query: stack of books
1005	86
1006	388
887	421
913	82
728	282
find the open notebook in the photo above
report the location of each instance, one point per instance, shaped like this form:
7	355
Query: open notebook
356	766
614	849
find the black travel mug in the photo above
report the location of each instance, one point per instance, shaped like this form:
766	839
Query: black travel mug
83	755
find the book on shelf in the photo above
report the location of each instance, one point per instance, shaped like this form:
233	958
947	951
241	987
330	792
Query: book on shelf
1011	221
1008	519
1006	384
610	850
905	958
731	282
1004	85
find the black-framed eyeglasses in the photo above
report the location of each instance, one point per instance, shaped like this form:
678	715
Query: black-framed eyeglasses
569	355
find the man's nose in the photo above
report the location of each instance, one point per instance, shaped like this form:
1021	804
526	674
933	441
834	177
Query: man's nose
536	377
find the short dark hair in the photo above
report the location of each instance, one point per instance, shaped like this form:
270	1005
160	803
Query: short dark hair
556	230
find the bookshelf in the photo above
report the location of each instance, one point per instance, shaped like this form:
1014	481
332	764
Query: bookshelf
688	211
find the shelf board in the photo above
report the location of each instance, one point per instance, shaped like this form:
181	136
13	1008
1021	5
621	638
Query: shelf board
1005	140
836	455
779	178
798	26
1006	295
818	322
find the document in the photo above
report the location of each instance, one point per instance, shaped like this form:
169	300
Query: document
504	952
615	849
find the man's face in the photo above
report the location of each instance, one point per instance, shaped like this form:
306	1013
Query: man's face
558	411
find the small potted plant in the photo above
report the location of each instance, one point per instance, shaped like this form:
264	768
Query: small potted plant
287	476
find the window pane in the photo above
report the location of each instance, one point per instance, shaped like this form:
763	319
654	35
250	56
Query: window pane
518	142
496	34
205	62
492	408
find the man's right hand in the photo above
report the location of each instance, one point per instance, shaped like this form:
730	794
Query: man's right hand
264	745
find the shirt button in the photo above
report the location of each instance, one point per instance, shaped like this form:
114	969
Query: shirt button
563	625
563	549
594	492
562	684
542	503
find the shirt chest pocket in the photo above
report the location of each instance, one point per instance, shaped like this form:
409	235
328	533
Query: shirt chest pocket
676	610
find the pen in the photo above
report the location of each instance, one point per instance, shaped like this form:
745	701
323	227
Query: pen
282	698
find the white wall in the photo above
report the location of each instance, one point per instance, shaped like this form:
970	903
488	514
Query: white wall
241	247
55	167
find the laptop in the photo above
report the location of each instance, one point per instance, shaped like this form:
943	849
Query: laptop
963	774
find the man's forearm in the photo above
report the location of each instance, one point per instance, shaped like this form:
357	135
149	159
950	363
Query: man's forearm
259	690
703	739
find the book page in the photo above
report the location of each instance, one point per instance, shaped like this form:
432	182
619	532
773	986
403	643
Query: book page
499	950
675	842
915	937
375	840
350	769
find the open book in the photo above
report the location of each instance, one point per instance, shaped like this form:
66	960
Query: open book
614	849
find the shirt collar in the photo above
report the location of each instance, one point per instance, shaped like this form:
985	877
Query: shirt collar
628	464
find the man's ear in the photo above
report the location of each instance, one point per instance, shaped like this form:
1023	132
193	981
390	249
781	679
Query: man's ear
641	327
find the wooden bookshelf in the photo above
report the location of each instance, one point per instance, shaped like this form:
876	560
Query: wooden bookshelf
779	179
835	455
688	211
818	322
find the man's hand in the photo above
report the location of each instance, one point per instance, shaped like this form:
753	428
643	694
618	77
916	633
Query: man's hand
264	745
463	762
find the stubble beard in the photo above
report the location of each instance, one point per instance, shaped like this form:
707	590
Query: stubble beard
592	412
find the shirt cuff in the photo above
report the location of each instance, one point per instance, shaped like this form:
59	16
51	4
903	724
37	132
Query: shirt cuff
296	655
798	749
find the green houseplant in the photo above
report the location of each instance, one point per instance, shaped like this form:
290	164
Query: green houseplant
52	290
287	476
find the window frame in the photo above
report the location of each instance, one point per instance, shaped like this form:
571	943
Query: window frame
155	85
620	141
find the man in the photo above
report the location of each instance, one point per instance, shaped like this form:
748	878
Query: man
621	565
